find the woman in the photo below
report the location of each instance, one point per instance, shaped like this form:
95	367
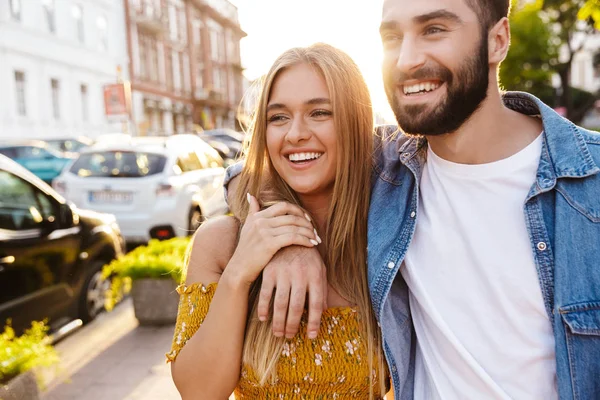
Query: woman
310	147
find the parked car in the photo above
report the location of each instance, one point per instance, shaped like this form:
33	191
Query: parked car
230	139
51	253
70	145
37	157
157	187
225	133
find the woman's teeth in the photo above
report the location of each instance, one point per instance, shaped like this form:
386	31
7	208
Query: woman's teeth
304	156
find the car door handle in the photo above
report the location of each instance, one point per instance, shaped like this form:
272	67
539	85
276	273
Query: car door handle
7	260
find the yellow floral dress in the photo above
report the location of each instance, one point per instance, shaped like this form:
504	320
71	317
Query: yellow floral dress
332	366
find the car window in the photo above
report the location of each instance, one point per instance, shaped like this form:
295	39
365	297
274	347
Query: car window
29	152
9	152
118	164
19	204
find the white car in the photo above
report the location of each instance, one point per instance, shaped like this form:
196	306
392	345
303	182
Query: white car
157	187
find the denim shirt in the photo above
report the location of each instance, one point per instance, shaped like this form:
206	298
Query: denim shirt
562	214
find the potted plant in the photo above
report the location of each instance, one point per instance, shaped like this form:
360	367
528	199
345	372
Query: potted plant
19	355
151	273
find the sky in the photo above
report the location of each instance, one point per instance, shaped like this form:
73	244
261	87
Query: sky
274	26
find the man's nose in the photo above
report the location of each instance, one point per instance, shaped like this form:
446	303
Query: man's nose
410	57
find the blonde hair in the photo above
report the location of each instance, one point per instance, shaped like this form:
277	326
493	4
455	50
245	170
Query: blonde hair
346	229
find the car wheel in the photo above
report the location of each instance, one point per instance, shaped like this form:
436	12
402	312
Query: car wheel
93	296
195	220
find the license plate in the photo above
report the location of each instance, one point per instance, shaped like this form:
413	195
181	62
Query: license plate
111	197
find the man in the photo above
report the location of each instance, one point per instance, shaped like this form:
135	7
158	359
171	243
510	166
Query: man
484	226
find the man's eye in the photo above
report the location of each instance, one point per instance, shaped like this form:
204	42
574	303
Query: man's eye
433	30
389	37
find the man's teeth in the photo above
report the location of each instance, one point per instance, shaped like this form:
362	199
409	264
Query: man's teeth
421	87
304	156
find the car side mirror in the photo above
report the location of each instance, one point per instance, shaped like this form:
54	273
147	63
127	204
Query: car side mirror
66	218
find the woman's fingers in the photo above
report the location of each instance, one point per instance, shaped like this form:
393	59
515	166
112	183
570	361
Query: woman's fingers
284	208
309	233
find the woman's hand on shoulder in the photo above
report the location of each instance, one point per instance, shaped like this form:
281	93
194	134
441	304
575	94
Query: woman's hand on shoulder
264	233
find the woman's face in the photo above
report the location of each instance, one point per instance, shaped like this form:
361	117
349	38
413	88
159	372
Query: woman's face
301	136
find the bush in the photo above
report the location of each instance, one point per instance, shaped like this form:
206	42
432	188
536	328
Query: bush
19	354
157	260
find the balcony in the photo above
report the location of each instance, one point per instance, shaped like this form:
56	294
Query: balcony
149	16
222	9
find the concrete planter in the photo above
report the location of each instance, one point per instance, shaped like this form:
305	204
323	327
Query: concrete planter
21	387
155	301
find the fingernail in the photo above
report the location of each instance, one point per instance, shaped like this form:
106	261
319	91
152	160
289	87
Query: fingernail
262	318
248	197
278	334
317	235
312	335
313	241
307	217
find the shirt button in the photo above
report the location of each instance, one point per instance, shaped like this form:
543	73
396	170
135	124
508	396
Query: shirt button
541	246
413	214
391	265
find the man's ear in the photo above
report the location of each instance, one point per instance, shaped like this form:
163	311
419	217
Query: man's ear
499	41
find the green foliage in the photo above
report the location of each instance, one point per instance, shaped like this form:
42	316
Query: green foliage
158	260
19	354
539	29
591	11
528	64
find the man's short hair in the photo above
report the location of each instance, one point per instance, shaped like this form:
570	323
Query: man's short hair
490	11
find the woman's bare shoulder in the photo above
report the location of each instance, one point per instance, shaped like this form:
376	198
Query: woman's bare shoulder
212	246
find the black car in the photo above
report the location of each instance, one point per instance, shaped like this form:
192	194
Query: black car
51	253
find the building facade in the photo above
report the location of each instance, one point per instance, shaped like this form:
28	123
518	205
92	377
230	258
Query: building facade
184	63
55	58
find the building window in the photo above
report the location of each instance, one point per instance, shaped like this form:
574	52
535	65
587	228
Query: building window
187	84
84	103
143	54
55	86
20	92
153	60
15	9
102	26
176	71
48	6
78	17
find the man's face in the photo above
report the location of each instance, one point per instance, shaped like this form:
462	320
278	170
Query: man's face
435	68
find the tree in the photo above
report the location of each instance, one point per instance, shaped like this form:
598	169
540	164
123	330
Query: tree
546	36
529	63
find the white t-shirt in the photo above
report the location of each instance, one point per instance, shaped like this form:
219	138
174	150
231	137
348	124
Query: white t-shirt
482	329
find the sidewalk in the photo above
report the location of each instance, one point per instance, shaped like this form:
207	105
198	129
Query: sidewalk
113	358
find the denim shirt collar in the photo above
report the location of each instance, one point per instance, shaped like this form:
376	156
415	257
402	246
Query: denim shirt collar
564	155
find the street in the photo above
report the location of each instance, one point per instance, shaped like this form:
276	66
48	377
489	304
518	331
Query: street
113	358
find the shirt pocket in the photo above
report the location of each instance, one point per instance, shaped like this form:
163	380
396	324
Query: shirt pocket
582	331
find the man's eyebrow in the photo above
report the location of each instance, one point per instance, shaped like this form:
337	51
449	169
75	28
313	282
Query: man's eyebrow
438	14
317	100
387	25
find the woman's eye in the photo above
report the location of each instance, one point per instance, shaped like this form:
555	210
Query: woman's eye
321	113
276	118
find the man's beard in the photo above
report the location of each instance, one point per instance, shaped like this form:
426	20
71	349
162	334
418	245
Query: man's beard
465	92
